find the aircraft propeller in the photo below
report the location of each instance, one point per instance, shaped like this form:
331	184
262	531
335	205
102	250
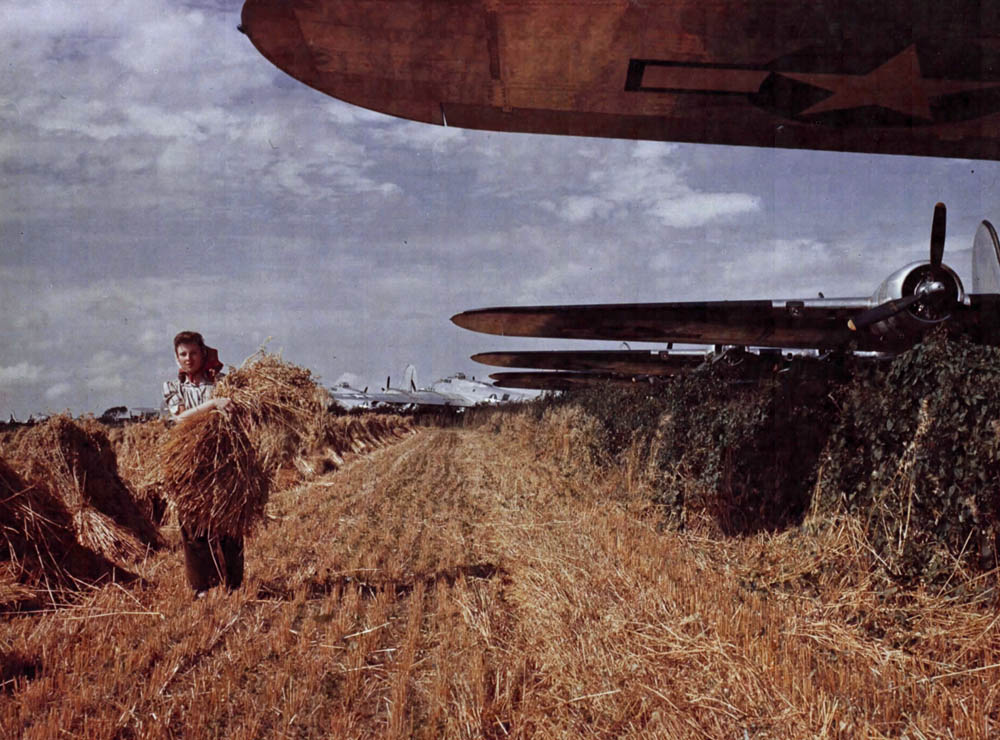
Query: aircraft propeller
933	283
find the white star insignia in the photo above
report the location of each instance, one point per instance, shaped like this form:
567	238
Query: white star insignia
896	85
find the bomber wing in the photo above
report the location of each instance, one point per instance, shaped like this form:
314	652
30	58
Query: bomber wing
907	304
621	362
556	381
818	323
845	75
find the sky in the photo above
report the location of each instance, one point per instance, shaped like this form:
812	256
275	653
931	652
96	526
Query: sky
158	174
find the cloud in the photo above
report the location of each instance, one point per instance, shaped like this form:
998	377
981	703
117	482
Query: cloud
425	138
580	208
58	390
158	174
150	341
689	210
106	383
650	182
633	185
351	379
22	372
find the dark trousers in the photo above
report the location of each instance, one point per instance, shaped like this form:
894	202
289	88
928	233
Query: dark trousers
210	561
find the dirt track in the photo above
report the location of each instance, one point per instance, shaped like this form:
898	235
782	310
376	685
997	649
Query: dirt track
468	583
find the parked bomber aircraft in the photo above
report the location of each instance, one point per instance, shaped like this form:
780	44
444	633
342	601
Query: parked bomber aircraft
893	76
351	398
907	304
456	391
476	392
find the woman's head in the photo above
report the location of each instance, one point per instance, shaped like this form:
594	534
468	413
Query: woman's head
190	350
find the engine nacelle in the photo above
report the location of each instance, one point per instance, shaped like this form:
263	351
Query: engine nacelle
926	313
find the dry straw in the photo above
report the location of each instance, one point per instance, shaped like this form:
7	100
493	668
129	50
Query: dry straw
136	447
219	467
211	470
76	462
39	552
30	534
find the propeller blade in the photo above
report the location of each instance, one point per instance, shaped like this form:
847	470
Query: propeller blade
881	312
938	228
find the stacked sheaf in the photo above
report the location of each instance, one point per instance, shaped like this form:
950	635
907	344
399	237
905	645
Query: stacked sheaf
76	462
41	552
220	468
136	449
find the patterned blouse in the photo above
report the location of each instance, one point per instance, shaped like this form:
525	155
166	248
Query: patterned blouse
181	395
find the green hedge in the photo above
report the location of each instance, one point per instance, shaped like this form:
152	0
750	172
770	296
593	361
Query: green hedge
909	445
914	450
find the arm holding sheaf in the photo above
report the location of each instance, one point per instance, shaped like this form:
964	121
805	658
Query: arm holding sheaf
211	404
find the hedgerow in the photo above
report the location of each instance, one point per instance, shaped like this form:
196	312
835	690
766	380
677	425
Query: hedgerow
911	446
915	451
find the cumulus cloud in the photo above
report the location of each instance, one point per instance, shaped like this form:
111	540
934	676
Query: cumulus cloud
106	383
629	184
686	210
59	390
22	372
351	379
425	138
579	208
650	182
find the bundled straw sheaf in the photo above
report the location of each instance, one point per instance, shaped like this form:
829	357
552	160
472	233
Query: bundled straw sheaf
39	552
33	527
219	467
213	474
281	404
75	460
136	447
330	438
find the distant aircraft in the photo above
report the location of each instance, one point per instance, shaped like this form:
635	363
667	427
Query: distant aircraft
350	398
475	392
907	304
891	77
456	391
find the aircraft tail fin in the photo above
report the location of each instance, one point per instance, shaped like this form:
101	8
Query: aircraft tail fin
410	378
986	260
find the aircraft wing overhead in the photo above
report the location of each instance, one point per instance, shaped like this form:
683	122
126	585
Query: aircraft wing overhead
846	75
816	323
623	362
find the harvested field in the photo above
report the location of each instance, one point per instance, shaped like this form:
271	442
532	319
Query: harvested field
484	582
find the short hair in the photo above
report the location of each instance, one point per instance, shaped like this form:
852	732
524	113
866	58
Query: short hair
189	337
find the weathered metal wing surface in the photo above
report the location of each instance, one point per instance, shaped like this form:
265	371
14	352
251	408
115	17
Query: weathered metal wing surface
845	75
622	362
556	380
787	324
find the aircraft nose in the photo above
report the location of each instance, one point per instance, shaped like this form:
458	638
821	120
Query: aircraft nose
402	57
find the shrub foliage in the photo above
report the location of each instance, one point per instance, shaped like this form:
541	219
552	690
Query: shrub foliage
911	446
915	450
